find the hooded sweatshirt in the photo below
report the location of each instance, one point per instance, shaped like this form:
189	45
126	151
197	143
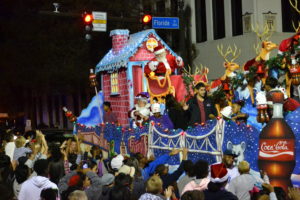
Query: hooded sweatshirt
198	184
31	189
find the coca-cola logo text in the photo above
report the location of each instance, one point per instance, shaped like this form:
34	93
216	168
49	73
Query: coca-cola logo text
279	146
282	149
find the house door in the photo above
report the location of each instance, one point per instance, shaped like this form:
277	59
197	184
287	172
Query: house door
138	76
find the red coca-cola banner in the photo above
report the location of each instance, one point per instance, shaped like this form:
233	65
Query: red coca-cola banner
277	149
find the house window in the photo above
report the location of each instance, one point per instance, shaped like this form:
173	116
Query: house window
201	21
289	15
247	22
236	14
219	19
270	20
114	83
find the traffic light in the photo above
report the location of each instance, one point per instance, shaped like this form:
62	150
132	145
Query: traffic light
88	25
147	21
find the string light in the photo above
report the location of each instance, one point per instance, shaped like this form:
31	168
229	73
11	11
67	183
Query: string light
112	62
236	133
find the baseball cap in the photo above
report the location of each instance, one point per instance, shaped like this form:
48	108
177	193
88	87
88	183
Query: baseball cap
229	152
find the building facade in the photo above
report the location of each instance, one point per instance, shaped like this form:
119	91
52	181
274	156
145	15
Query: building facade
228	22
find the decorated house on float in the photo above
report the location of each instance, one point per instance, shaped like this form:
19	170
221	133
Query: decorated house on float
122	68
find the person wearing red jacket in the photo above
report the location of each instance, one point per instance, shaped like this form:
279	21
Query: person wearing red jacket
163	62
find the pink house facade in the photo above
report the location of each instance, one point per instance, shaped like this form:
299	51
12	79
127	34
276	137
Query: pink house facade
122	68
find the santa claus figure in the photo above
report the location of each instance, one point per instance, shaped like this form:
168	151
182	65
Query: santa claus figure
162	62
141	111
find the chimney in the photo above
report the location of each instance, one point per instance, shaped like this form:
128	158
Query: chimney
119	39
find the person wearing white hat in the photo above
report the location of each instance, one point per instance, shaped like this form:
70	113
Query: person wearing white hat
141	111
117	162
226	112
157	118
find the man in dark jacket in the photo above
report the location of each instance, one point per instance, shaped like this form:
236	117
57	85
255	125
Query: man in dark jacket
200	107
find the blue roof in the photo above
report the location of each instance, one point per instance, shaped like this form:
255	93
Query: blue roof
111	62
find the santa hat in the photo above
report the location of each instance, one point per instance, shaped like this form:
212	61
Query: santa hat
142	96
284	45
227	112
125	169
159	49
155	108
218	173
117	162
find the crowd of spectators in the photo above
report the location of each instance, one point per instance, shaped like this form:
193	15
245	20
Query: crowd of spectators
33	169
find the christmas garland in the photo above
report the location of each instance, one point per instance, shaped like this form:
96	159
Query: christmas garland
218	96
188	82
251	76
237	81
277	62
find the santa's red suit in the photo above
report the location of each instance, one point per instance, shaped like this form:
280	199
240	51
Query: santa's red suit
287	44
160	67
137	119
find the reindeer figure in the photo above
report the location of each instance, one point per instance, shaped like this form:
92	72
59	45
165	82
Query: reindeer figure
230	71
230	66
263	55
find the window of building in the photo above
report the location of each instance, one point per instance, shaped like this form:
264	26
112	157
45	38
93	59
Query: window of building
237	19
114	83
201	30
218	18
289	15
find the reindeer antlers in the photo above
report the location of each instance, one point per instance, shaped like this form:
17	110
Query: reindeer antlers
235	53
267	33
295	5
198	70
256	48
296	28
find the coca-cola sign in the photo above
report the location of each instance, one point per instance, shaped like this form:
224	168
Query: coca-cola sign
276	149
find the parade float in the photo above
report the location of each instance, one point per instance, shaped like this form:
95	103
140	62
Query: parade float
264	143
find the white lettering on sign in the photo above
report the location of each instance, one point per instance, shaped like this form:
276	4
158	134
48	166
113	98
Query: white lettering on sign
279	146
270	149
161	23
